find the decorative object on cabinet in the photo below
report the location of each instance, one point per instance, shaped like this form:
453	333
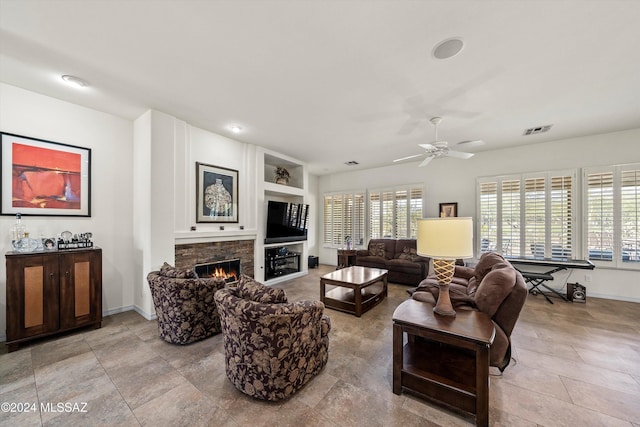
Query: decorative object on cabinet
448	210
52	292
282	175
216	194
68	240
42	177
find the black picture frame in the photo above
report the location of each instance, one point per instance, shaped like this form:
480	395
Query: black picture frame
216	194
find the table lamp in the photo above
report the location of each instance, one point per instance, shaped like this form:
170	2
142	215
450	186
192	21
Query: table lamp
445	240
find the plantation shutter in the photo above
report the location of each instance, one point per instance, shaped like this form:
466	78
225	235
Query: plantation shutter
534	216
415	214
326	219
600	224
375	217
401	214
561	218
387	214
358	235
630	215
510	211
488	213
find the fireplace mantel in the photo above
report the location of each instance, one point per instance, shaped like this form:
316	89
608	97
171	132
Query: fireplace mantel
187	237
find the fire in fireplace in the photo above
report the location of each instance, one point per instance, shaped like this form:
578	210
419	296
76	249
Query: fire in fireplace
228	269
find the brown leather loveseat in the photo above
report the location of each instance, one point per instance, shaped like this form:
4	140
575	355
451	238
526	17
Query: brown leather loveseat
398	256
494	287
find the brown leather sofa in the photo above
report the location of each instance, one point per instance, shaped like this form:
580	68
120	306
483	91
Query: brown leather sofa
494	287
398	256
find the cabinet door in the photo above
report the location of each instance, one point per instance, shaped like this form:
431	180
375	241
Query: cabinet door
80	288
32	295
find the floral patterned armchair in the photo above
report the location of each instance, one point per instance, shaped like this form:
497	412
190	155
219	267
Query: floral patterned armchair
184	304
272	347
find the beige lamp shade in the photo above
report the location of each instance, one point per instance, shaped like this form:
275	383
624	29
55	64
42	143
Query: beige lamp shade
445	238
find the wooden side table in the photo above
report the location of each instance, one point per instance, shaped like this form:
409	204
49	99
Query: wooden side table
346	258
446	359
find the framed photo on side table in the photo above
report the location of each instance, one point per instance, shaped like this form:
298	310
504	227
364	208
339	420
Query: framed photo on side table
448	210
42	177
216	194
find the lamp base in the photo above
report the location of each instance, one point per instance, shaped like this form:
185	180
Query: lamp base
444	272
443	306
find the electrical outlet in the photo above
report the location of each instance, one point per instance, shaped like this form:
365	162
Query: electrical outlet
587	277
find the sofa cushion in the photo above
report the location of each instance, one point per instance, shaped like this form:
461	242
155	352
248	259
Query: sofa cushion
377	249
495	287
403	266
372	261
169	271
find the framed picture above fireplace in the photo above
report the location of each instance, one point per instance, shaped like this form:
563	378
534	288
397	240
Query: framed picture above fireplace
216	194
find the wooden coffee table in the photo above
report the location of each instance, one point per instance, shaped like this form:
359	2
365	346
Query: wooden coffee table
357	289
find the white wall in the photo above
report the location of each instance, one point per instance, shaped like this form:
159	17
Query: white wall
452	180
110	139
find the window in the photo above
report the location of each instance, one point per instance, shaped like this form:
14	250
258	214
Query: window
394	213
612	220
344	215
527	215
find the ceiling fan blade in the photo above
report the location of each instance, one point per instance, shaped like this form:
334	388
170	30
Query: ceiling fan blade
474	143
459	154
408	157
427	147
426	161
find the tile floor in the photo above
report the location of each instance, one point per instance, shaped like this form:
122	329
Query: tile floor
577	365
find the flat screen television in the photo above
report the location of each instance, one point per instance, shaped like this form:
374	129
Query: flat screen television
286	222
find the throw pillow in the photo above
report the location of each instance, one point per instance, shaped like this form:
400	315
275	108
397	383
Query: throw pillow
169	271
408	253
376	249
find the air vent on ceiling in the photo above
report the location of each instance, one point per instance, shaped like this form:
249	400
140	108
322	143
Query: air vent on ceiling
536	130
351	163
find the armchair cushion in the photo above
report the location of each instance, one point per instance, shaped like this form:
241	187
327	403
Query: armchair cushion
169	271
249	289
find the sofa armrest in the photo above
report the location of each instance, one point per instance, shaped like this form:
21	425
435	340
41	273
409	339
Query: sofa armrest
362	252
464	272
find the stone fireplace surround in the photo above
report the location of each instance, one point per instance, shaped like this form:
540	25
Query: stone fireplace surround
189	254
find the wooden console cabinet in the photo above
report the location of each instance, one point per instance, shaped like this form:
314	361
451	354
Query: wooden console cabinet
51	292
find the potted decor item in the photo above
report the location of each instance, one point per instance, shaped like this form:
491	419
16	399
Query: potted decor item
282	175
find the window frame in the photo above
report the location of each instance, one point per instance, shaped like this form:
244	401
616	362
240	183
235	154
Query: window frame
618	252
521	204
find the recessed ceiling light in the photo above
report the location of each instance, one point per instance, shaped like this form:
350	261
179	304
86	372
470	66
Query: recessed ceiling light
74	81
235	129
448	48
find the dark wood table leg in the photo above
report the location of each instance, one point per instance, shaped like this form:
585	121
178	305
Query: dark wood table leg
358	300
322	290
397	359
482	385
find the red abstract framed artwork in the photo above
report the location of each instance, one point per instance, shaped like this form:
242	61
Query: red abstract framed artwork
44	178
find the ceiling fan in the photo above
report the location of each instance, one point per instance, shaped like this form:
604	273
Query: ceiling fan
440	148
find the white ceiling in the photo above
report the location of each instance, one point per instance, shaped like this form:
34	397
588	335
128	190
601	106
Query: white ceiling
332	81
